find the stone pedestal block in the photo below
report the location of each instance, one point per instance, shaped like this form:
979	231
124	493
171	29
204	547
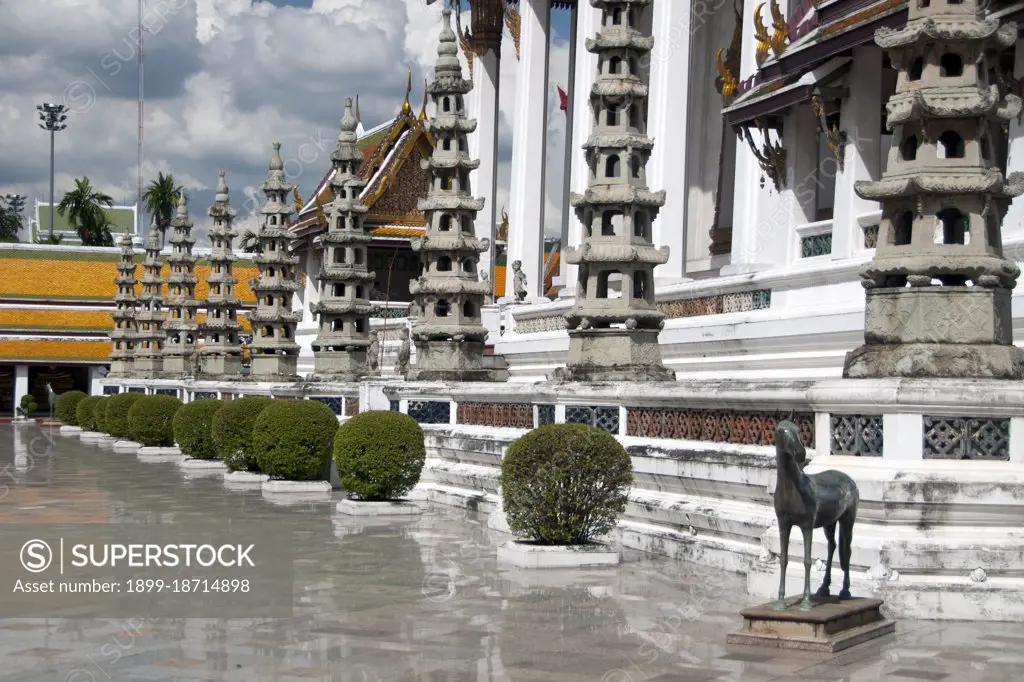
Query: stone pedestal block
938	314
613	355
529	555
177	365
347	366
227	366
829	627
454	361
935	360
275	367
365	508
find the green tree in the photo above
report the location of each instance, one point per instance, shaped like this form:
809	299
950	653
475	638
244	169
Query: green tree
161	199
83	207
251	242
10	223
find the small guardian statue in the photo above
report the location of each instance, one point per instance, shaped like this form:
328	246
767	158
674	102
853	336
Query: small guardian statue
812	501
519	281
404	353
51	398
373	354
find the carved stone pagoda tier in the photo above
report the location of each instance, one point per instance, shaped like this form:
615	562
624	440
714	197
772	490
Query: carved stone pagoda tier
122	336
448	295
149	316
938	288
221	354
182	323
614	324
274	351
343	309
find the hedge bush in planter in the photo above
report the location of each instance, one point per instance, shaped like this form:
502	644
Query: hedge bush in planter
379	455
150	420
66	405
193	428
565	484
28	404
112	414
232	432
85	414
292	439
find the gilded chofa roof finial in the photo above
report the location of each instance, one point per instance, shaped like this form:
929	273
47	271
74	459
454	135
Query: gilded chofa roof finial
406	106
423	111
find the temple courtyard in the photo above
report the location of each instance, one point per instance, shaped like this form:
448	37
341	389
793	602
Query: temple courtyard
421	599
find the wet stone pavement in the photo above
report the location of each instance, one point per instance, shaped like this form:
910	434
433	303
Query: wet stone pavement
420	599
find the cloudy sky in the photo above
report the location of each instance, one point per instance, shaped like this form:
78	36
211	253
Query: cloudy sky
223	80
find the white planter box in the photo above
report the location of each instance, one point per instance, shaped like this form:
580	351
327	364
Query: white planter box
127	446
296	487
92	436
202	464
527	555
150	454
364	508
71	430
242	480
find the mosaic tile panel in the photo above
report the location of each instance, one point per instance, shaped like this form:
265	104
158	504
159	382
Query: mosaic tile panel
603	417
509	415
394	406
336	403
958	438
870	236
816	245
136	389
111	390
545	415
204	395
857	435
430	411
533	325
351	407
166	391
746	427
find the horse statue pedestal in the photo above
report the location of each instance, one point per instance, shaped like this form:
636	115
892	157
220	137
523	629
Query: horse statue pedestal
830	626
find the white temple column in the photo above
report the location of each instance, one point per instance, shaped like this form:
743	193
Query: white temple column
21	386
801	139
483	145
667	124
1013	223
568	216
862	160
760	219
310	291
529	149
588	22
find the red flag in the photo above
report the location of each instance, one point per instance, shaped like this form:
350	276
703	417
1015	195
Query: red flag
564	97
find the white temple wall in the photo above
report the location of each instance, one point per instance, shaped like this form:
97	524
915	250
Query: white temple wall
1013	223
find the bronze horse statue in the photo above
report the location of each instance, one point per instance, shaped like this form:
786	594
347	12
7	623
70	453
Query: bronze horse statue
808	502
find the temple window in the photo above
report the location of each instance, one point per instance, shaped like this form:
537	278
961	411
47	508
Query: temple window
284	273
611	223
339	254
617	16
462	145
992	232
442	309
267	331
634	66
611	166
216	338
271	246
359	292
458	102
612	117
360	328
357	256
286	333
216	288
339	290
444	264
446	104
634	115
273	220
615	66
951	145
269	300
469	265
468	310
467	224
343	193
951	65
953	226
639	286
908	148
902	228
447	144
337	325
986	148
464	181
339	223
916	68
271	272
446	223
635	166
603	280
640	225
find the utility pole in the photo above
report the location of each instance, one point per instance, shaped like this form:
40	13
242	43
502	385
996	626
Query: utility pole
52	117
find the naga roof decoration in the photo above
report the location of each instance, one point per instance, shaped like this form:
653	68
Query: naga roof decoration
728	61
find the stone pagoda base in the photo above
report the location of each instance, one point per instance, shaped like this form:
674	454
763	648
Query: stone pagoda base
227	366
455	361
929	360
613	355
830	626
342	367
177	365
121	368
147	368
275	367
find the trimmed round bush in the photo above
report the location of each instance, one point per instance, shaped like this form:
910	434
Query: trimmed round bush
67	404
112	414
150	420
84	412
99	413
28	404
193	428
232	432
292	439
565	484
379	455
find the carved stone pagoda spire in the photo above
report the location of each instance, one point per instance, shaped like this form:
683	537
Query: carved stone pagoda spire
221	353
122	336
938	288
149	319
448	295
614	324
182	324
339	350
274	351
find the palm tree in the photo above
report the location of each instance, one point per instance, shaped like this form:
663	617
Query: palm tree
83	207
161	199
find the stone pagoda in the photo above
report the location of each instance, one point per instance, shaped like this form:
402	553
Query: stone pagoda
149	319
340	348
221	354
122	335
614	324
448	296
182	324
274	351
938	288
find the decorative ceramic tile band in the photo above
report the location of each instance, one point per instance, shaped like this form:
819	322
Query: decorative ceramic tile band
336	403
545	415
430	412
111	390
959	438
136	389
166	391
715	426
870	236
394	406
204	395
857	435
816	245
511	415
603	417
351	406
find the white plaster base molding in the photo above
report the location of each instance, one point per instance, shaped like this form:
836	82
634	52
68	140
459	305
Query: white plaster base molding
366	508
128	446
244	479
71	430
528	555
91	436
202	464
160	454
287	487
